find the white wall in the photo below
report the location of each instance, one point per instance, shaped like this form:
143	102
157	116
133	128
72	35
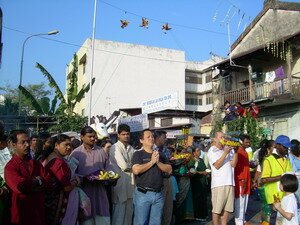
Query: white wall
128	74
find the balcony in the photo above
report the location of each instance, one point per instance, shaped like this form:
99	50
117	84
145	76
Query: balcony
264	91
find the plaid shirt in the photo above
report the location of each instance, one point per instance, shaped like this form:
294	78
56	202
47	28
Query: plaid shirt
165	151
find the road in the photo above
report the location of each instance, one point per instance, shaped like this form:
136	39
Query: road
252	215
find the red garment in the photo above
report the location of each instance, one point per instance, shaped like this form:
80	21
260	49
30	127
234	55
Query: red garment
27	206
240	111
242	176
56	199
254	110
60	170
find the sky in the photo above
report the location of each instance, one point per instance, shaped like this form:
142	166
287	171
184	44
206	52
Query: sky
199	27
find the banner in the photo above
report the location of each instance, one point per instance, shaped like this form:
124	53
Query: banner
169	101
136	123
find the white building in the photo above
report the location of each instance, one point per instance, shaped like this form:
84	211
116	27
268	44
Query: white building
128	74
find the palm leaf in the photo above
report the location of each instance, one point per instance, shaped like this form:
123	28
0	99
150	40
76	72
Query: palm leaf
53	105
45	104
52	83
32	100
84	90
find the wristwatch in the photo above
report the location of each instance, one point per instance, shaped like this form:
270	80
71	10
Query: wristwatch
39	180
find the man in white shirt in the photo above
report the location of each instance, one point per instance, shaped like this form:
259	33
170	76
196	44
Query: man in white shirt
122	194
222	160
5	155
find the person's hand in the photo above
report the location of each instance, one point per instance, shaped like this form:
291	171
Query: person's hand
154	157
76	181
157	156
255	185
276	205
37	184
227	149
203	173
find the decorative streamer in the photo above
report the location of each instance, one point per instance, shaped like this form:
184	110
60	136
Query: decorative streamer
235	11
215	16
227	15
240	21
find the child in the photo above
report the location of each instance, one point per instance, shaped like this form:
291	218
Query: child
287	209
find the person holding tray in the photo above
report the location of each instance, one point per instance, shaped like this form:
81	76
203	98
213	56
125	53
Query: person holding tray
93	159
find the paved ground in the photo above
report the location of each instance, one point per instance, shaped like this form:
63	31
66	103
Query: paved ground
253	214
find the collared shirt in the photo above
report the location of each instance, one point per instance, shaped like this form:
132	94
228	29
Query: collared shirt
120	158
5	156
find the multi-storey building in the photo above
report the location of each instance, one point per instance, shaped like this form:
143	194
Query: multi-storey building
128	75
264	67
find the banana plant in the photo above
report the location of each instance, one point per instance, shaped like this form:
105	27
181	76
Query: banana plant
73	96
41	106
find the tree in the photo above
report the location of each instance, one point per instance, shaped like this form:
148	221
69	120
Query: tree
41	106
69	123
9	107
73	96
247	125
11	96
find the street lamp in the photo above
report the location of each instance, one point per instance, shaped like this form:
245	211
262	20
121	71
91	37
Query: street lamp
53	32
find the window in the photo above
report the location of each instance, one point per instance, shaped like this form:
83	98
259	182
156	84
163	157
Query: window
152	122
82	62
82	112
193	78
209	99
208	77
83	68
193	99
164	122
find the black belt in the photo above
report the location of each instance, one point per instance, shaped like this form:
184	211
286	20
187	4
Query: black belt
145	189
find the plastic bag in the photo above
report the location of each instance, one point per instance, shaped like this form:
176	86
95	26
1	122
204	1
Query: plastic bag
84	203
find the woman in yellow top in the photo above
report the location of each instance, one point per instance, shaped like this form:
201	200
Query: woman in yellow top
274	166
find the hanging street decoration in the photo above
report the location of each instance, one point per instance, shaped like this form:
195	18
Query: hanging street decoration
145	23
124	23
166	27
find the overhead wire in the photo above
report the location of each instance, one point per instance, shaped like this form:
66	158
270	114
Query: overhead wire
107	51
108	80
160	21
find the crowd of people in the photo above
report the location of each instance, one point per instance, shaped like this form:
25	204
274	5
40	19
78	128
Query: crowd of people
237	110
44	180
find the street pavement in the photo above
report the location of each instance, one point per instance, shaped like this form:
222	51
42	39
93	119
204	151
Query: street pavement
252	215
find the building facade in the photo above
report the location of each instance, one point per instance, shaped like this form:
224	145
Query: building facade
128	75
264	67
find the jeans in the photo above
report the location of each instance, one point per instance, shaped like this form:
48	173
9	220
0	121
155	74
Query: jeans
148	207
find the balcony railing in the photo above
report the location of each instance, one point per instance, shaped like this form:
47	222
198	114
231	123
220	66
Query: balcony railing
263	90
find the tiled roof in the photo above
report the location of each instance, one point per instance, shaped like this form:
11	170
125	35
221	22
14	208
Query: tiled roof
271	4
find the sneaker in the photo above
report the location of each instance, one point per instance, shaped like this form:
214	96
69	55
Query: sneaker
201	220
